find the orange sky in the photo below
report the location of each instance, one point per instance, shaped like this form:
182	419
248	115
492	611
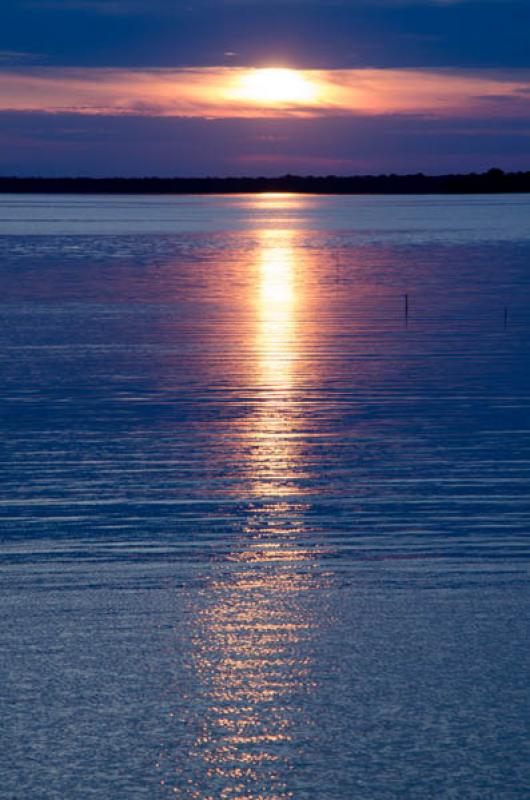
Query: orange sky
224	92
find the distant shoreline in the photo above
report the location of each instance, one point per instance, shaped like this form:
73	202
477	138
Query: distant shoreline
495	181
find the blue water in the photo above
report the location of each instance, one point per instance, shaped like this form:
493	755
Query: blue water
263	535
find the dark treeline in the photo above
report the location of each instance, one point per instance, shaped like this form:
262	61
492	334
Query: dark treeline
495	180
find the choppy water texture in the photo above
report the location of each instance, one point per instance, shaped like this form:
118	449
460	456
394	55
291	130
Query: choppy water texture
262	536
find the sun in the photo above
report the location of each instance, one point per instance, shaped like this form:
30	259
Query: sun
276	86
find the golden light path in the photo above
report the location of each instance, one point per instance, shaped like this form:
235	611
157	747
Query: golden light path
277	305
254	634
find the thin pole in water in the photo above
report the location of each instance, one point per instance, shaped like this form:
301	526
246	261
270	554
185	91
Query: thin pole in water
505	318
406	297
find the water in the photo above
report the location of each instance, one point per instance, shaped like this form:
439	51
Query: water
262	536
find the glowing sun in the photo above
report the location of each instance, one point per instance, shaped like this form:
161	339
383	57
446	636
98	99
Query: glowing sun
276	86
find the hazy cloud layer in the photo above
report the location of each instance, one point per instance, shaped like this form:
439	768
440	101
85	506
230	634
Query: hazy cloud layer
219	92
48	144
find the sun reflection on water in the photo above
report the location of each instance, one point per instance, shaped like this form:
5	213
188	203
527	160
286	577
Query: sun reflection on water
254	631
276	340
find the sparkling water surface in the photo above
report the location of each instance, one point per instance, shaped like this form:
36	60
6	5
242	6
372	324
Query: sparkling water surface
263	535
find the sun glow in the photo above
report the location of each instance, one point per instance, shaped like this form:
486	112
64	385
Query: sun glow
276	86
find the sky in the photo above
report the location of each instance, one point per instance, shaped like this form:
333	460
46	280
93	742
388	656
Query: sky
259	87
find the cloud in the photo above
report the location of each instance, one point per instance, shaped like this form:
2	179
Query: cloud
218	92
68	144
304	33
16	57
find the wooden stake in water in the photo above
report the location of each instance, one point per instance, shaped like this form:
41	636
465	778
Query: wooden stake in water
406	298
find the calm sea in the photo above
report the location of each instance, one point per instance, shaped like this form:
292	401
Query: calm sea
265	501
